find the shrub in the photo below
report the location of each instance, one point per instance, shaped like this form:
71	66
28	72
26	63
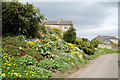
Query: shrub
57	31
27	60
86	46
70	35
94	43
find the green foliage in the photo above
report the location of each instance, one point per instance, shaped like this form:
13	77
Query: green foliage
86	46
57	31
16	46
95	43
70	35
52	64
40	72
27	60
18	18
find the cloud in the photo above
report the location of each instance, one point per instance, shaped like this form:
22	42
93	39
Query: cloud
90	18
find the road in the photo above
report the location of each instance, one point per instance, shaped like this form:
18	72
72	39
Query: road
106	66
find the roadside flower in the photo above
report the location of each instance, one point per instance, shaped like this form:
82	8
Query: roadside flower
8	72
26	73
11	74
71	45
20	75
12	70
57	37
69	59
37	49
81	54
21	63
31	43
50	36
73	52
3	66
16	74
20	48
8	68
3	74
31	72
40	39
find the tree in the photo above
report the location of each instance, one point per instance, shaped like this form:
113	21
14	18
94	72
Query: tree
18	18
70	35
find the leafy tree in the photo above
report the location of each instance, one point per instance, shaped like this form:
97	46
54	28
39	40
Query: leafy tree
70	35
18	18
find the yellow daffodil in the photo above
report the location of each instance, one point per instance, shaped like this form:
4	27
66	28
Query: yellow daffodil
3	66
31	72
71	45
73	52
32	75
68	58
81	54
8	72
11	74
16	74
21	63
9	64
12	70
3	74
8	67
26	73
31	43
57	37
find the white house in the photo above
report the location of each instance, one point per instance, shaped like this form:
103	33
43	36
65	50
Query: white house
63	25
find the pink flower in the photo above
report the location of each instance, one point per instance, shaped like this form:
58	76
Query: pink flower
50	36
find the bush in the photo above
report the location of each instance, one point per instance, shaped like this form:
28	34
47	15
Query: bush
70	35
57	31
94	43
86	46
18	18
27	60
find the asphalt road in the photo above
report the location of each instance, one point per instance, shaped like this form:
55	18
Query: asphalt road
106	66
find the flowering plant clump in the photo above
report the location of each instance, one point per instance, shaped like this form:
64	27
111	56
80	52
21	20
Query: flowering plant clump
71	45
31	43
57	37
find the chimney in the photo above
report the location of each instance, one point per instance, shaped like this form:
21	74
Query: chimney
60	18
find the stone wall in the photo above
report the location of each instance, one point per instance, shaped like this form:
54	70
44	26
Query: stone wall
105	46
114	47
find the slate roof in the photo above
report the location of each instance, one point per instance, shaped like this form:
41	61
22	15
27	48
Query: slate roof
107	38
62	22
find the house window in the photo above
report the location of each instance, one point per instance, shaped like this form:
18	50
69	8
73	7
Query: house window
65	27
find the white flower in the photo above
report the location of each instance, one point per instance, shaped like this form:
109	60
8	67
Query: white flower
37	49
20	75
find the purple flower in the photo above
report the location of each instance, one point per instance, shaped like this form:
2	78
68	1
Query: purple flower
88	54
58	46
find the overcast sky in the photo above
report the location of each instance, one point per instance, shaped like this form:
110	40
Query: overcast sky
89	18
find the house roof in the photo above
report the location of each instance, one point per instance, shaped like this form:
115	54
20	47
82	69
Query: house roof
57	22
49	22
107	38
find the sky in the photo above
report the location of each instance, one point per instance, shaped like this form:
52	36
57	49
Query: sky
89	18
